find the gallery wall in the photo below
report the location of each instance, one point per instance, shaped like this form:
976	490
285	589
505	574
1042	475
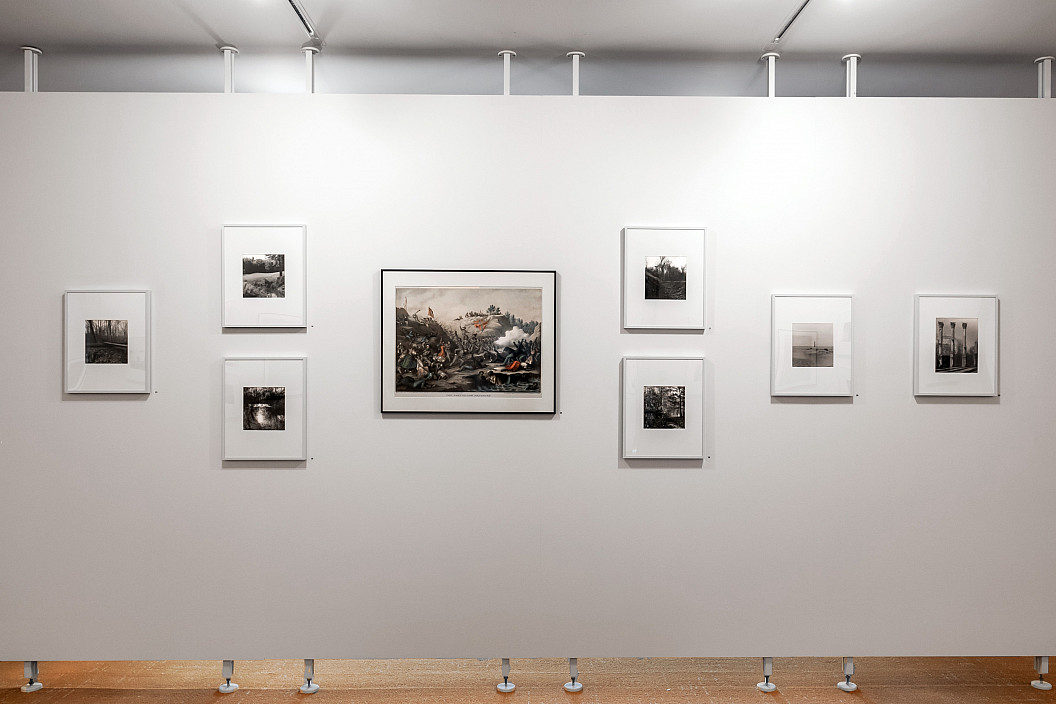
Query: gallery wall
878	525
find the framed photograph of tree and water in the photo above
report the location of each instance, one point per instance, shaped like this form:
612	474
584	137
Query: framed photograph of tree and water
955	345
812	346
663	408
263	278
468	341
265	408
663	278
107	342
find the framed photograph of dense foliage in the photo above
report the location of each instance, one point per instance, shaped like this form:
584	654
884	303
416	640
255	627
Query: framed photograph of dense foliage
265	408
812	346
263	279
107	342
955	345
468	341
663	278
663	408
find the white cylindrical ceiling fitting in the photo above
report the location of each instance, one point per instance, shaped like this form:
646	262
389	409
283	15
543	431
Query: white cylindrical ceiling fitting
310	50
506	55
771	58
229	53
31	55
1045	76
575	56
852	61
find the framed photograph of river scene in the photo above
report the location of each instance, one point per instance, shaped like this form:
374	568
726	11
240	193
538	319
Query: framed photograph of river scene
107	342
955	345
812	346
264	276
468	341
265	408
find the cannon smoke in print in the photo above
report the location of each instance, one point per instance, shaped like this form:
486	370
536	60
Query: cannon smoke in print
455	339
263	408
665	278
812	344
106	342
264	276
665	407
957	345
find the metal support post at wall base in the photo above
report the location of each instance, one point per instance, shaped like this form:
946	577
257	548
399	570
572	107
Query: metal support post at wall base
32	673
852	61
227	672
506	686
573	670
1041	666
768	670
31	55
575	56
310	49
229	53
1044	75
309	687
848	670
771	58
506	55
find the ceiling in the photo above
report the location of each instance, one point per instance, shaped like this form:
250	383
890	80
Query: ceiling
1020	28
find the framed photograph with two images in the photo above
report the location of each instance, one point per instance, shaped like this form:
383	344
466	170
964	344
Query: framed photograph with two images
263	279
663	408
107	342
955	345
663	278
812	346
265	408
473	341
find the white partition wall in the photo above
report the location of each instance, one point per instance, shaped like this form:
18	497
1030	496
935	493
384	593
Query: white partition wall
876	525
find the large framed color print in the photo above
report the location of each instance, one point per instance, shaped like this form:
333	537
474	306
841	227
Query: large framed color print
663	278
265	408
107	342
468	341
263	278
812	346
663	408
955	345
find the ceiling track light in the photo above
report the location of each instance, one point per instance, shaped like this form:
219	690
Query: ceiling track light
791	19
309	26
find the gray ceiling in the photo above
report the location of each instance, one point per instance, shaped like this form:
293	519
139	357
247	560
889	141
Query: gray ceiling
1021	28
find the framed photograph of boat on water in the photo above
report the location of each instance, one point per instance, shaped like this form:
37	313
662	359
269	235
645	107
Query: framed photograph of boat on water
663	408
263	279
812	346
468	341
265	408
955	345
107	342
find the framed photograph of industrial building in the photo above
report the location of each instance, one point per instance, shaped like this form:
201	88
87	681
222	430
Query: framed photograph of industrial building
812	346
263	276
663	278
955	345
107	342
472	341
663	407
265	408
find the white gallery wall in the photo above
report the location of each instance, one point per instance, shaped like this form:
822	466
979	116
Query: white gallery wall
884	525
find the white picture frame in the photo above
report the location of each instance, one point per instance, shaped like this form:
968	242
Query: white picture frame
106	341
663	408
664	278
962	360
263	276
260	422
812	345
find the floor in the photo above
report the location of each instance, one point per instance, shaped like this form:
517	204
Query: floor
539	681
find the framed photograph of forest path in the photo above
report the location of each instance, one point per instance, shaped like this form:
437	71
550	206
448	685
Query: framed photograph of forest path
663	408
663	278
265	408
812	346
955	345
263	279
107	342
472	341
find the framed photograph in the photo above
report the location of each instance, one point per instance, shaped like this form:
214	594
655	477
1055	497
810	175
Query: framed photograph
264	276
468	341
812	346
107	342
955	345
265	408
663	278
663	408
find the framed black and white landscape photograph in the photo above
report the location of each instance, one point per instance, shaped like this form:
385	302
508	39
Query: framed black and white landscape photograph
812	346
473	341
955	345
264	276
663	278
663	408
107	342
265	408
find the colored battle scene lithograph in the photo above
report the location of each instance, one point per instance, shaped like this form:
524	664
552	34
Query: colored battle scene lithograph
456	339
